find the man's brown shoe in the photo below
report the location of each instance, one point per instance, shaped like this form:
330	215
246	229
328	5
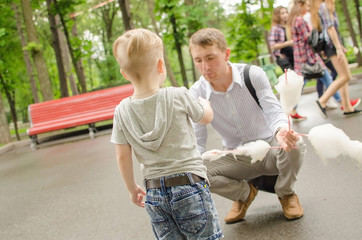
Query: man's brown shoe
291	207
239	208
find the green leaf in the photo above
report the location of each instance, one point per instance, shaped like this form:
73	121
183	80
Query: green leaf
33	47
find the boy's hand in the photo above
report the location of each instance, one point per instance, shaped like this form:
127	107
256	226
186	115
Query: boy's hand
208	112
204	101
137	196
287	139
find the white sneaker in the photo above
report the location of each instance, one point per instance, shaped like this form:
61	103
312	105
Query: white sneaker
331	104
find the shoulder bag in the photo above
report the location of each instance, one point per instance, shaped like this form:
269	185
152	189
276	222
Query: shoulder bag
317	40
312	71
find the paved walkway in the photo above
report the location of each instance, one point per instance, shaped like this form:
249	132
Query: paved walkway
73	191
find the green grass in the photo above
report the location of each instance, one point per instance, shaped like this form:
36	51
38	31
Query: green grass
21	130
356	70
311	83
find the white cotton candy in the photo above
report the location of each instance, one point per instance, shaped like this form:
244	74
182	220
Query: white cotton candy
290	90
354	149
256	150
328	141
331	142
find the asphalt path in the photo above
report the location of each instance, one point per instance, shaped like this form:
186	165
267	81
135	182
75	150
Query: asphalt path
71	189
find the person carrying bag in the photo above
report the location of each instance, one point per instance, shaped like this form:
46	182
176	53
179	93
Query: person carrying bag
282	48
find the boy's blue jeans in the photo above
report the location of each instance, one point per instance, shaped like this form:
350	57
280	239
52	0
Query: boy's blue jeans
183	212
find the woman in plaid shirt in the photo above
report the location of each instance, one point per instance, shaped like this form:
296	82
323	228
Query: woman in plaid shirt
282	48
299	30
324	18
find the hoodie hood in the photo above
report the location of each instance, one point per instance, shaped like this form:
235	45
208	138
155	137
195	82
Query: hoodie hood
149	119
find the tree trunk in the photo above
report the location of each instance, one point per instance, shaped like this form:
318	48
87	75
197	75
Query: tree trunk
266	34
39	61
351	30
191	30
178	47
167	62
126	14
29	67
356	3
108	13
78	70
66	58
11	100
195	73
56	46
5	136
79	65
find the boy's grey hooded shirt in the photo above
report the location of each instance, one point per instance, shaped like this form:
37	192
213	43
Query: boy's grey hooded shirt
147	133
159	130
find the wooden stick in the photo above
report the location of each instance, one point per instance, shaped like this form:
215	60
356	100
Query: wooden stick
286	76
279	147
302	134
289	121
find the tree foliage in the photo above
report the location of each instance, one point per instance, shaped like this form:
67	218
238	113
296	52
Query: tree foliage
247	25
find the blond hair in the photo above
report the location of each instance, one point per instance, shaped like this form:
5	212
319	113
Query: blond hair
294	12
316	23
208	37
137	51
314	9
276	20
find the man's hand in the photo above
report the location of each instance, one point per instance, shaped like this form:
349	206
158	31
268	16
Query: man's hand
287	139
137	195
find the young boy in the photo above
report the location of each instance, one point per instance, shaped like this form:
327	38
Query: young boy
155	123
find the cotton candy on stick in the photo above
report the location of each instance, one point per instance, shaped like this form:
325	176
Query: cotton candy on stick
331	142
290	89
256	150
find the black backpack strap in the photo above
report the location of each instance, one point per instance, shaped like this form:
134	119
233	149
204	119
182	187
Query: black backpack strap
248	83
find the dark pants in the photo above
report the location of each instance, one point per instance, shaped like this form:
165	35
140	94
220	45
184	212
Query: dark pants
320	86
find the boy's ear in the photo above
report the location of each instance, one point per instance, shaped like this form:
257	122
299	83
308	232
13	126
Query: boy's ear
227	54
123	74
160	66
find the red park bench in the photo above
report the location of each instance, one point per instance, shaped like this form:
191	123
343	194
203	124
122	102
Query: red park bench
68	112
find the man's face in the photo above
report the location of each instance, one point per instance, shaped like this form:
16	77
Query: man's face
210	61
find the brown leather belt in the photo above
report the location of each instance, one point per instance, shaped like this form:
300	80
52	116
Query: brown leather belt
172	181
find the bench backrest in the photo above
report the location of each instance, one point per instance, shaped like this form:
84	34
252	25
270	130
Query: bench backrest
78	105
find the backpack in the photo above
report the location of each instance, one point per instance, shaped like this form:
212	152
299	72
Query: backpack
317	40
248	83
